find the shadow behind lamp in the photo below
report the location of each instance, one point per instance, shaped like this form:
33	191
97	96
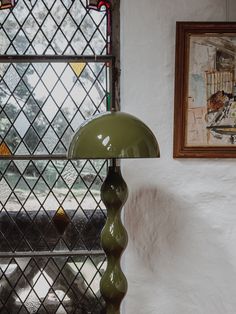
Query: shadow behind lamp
113	135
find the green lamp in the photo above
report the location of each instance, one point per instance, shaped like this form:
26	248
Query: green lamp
113	135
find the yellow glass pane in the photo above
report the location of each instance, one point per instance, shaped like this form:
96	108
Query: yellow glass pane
4	150
61	220
77	67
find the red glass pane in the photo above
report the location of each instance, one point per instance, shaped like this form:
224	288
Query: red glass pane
98	4
7	4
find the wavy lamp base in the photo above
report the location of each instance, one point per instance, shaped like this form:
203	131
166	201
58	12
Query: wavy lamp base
113	285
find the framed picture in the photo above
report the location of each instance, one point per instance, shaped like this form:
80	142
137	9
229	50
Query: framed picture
205	90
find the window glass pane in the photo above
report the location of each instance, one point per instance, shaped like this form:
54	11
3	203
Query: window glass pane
51	284
42	104
51	214
51	205
53	27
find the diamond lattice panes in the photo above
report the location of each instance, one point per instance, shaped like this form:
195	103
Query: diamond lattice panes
55	72
42	104
58	285
51	205
53	27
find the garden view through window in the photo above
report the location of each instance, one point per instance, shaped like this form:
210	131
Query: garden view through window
54	74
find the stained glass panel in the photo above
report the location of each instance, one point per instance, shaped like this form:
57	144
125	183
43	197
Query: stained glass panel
42	104
51	285
51	213
52	27
34	193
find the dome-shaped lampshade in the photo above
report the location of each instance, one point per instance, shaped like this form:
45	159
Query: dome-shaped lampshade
113	135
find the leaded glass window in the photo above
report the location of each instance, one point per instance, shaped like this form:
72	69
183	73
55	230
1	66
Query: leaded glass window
55	72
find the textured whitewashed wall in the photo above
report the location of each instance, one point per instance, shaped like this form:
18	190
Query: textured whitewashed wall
181	215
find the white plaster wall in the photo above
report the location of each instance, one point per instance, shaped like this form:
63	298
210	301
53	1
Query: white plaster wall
181	215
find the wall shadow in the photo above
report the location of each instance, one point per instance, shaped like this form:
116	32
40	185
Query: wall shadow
175	261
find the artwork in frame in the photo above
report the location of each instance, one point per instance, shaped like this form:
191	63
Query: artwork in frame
205	90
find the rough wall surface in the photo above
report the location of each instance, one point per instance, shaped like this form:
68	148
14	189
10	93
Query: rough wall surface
181	214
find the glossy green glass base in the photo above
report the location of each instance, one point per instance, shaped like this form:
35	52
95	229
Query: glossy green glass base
113	285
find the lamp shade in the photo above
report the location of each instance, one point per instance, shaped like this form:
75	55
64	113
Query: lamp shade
113	135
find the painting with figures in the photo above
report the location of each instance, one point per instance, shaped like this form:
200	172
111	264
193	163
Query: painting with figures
205	90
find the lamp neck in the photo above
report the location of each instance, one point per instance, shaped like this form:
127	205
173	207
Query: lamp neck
114	162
